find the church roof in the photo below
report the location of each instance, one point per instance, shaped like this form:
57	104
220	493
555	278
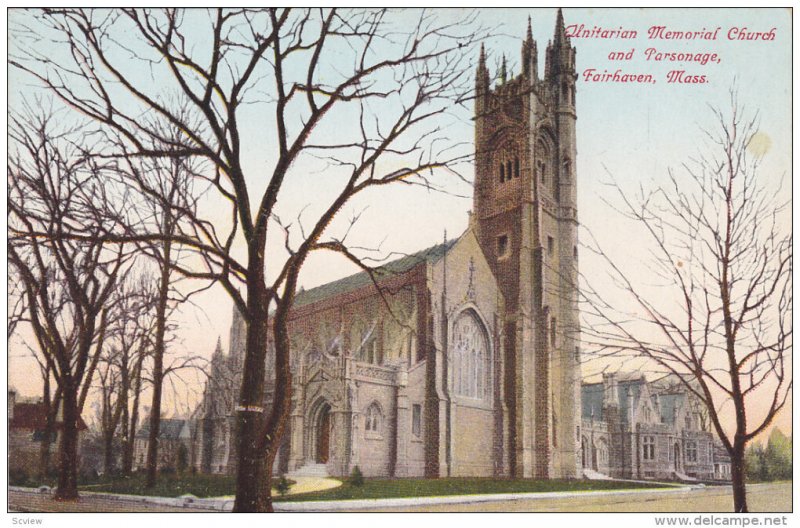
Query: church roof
360	280
592	401
668	404
168	429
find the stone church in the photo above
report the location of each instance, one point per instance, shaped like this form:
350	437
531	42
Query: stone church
465	360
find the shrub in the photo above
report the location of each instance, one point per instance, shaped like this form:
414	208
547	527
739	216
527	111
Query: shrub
356	477
18	477
283	486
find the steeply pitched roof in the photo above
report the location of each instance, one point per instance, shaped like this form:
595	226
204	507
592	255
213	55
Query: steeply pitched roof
168	429
360	280
669	403
632	387
34	416
592	401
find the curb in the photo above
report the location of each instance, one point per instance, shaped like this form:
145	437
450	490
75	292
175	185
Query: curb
226	505
361	504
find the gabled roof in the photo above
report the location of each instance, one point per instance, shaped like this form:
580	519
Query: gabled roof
360	280
669	403
34	416
168	429
632	387
592	401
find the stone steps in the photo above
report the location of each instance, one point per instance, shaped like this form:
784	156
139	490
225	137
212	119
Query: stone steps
310	470
591	474
683	477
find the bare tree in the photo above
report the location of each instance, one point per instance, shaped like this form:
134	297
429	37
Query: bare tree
714	309
53	188
129	336
365	93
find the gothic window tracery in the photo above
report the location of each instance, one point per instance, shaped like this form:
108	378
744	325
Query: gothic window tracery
471	366
373	418
508	161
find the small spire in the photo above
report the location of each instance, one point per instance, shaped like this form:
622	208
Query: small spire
503	70
529	36
561	33
482	75
218	350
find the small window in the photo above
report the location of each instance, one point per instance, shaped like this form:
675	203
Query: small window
574	251
649	447
373	419
502	245
577	353
551	244
516	167
691	451
502	172
371	352
508	170
577	432
553	331
416	420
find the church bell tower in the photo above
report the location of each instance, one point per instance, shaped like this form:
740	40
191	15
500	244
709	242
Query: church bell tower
525	212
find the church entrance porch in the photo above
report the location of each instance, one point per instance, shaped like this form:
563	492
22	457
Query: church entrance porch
323	432
320	435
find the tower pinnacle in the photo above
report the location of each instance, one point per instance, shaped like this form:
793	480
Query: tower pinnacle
529	54
561	33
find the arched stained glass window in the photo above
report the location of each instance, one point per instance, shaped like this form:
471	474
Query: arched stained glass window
471	358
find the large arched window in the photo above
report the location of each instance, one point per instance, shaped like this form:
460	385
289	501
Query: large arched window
471	358
373	418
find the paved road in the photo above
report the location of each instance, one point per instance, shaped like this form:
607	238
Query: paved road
774	497
21	501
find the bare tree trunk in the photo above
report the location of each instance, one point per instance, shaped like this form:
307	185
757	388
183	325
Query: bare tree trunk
158	364
127	456
251	470
108	453
738	476
51	406
68	476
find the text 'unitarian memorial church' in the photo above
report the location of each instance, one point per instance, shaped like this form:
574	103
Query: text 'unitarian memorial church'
467	361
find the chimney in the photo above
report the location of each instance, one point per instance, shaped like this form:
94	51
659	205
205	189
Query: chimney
610	390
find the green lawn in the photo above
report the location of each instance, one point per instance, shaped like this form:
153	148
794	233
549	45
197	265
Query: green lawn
397	488
167	485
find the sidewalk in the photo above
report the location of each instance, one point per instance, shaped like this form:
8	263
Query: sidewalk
378	504
28	499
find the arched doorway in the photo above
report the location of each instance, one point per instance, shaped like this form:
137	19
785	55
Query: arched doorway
323	439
